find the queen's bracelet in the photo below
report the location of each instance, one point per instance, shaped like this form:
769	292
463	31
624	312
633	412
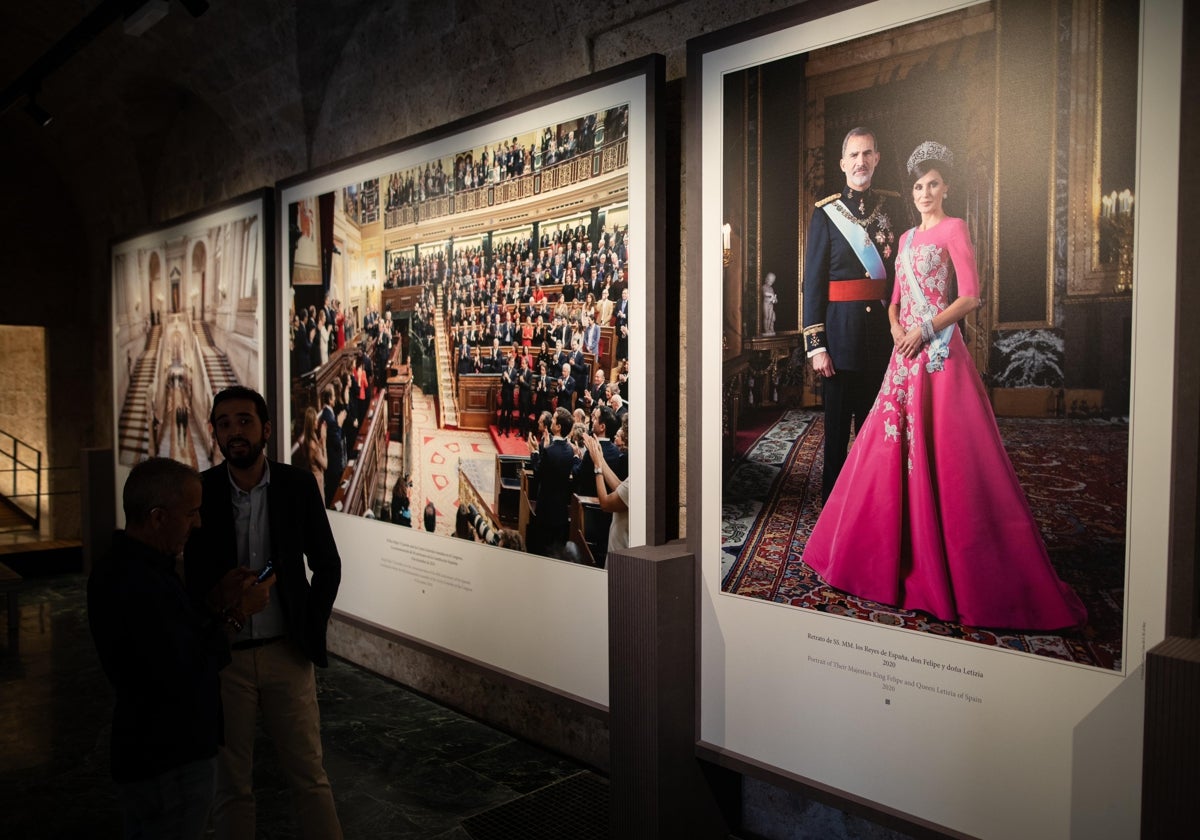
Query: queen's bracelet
927	331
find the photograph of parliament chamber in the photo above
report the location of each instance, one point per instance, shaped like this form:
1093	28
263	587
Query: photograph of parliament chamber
474	289
451	243
645	672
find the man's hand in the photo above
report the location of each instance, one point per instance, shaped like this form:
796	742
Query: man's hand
241	593
228	591
823	364
257	595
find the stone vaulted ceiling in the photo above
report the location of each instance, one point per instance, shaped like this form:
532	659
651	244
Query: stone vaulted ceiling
194	110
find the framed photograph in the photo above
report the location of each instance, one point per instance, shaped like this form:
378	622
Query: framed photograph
471	368
933	397
188	299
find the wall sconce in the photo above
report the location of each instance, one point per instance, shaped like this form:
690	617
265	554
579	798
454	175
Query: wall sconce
726	231
1116	221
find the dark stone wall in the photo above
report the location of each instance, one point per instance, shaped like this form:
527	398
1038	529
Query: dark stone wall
200	110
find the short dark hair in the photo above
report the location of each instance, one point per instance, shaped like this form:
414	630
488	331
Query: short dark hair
240	392
155	482
609	418
564	420
859	131
462	524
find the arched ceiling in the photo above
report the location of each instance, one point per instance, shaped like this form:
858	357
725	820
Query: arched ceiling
196	109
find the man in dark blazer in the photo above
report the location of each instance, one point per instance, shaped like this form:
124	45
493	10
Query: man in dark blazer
579	369
258	513
554	466
604	426
561	334
849	266
566	389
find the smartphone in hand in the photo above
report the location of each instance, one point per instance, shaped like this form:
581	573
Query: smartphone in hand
267	571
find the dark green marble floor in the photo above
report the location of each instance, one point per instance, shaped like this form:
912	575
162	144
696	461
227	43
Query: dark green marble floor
401	765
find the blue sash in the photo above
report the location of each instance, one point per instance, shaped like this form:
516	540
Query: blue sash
938	350
859	241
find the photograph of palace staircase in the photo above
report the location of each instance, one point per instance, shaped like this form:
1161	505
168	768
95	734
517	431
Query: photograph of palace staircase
216	363
187	306
133	426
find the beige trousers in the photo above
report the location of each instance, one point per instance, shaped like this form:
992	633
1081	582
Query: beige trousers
280	681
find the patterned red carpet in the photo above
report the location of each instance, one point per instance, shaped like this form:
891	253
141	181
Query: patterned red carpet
1073	471
510	444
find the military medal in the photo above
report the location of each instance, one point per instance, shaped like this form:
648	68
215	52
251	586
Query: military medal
883	236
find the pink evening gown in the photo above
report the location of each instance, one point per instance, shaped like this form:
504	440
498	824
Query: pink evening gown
927	513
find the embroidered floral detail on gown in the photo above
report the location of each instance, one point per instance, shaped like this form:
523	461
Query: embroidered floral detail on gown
927	513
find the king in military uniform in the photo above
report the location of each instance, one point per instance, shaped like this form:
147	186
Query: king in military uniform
849	268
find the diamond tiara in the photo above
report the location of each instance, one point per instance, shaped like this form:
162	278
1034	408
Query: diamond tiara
929	150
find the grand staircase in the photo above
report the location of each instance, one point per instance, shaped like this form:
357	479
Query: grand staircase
133	428
216	363
447	404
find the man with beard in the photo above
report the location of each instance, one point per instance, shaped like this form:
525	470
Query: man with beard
258	513
849	266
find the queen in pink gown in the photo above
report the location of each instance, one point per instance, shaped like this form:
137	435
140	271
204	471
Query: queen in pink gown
927	513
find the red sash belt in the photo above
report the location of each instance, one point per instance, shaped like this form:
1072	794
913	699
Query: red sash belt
867	289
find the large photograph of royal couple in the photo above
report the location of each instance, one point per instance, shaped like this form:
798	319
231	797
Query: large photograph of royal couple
928	284
459	334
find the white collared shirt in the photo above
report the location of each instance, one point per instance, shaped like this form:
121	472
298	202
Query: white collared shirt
252	529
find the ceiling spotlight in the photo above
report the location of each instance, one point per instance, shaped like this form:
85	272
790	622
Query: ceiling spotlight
39	114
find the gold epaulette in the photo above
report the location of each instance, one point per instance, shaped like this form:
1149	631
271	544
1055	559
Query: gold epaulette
828	199
889	193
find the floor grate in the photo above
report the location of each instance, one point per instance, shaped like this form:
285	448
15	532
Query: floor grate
575	808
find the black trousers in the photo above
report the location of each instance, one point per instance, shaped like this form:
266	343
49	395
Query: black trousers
849	395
